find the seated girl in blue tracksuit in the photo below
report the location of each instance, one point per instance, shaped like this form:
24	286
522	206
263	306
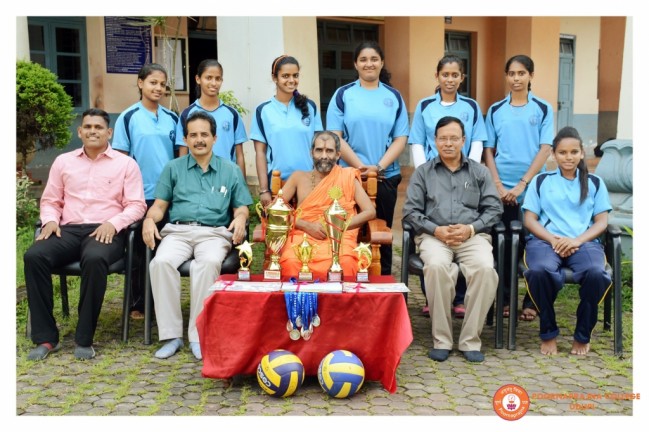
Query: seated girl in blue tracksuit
566	210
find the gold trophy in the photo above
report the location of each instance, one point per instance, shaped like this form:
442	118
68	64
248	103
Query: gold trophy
364	260
305	252
278	222
335	224
245	259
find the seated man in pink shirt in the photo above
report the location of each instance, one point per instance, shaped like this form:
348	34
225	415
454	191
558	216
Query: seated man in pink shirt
92	195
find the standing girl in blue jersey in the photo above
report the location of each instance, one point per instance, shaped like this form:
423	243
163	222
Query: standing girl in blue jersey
519	132
230	131
372	121
282	128
566	211
447	102
147	132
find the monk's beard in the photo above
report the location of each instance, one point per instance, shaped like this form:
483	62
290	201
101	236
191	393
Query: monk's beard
323	166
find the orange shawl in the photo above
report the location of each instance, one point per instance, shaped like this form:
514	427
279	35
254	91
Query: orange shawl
312	209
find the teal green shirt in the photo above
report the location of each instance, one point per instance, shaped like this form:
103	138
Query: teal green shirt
207	197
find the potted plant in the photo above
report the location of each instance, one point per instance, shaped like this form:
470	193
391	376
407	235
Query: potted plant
44	111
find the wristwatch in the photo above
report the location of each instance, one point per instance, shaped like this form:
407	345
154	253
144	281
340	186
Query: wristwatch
380	170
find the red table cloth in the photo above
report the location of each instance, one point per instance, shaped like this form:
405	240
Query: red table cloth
236	329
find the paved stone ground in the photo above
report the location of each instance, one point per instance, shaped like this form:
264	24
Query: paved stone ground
125	379
128	380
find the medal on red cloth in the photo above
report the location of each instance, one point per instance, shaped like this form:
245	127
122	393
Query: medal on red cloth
316	318
301	308
291	310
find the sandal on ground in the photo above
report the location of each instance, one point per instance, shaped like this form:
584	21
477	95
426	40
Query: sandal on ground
42	351
459	311
425	311
506	311
137	315
527	314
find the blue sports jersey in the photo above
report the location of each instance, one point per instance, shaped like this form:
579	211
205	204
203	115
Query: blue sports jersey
555	200
149	138
517	134
430	110
369	119
287	136
230	130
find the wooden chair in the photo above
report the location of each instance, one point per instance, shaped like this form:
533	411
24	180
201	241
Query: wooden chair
374	232
613	250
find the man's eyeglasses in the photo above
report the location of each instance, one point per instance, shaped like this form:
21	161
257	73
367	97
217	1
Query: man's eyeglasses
445	139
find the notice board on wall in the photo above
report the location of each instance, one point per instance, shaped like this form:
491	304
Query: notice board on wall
128	44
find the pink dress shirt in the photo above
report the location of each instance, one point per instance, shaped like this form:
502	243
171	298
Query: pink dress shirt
80	190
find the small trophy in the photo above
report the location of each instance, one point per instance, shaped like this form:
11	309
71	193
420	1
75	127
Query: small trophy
335	224
305	252
364	260
245	259
278	223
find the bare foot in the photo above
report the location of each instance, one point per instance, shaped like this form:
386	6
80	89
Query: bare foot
549	347
527	314
579	348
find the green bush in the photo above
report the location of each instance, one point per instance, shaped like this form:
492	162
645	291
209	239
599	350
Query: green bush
26	205
24	239
229	98
44	111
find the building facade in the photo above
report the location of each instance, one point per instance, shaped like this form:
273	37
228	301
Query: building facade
582	64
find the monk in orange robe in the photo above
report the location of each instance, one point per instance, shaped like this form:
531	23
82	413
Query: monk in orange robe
312	191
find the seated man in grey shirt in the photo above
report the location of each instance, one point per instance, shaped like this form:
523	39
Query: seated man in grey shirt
452	203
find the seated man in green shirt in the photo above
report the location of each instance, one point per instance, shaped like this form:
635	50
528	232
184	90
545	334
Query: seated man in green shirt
208	200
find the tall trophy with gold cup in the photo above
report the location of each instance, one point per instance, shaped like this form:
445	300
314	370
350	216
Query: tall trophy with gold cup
277	224
336	221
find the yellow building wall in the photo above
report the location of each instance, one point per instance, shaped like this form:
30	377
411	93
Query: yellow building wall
586	31
397	54
612	49
488	56
545	53
537	37
301	42
116	92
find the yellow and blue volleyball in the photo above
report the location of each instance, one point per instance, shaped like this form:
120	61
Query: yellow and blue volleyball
280	373
341	374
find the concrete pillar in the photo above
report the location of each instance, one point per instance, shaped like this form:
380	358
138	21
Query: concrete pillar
616	165
247	47
625	119
22	38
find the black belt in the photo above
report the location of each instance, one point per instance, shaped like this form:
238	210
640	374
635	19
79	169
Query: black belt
194	223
